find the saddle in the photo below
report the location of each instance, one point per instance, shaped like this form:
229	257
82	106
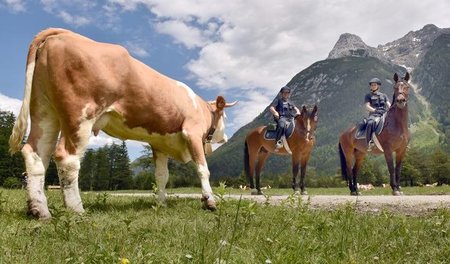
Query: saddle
362	126
271	130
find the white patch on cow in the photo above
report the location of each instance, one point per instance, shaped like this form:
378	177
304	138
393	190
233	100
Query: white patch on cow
68	169
219	135
84	131
161	175
174	144
35	182
190	93
203	173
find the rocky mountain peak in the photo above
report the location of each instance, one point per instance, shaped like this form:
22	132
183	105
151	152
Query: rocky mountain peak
352	45
408	51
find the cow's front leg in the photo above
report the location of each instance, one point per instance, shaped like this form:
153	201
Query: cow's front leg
198	156
161	175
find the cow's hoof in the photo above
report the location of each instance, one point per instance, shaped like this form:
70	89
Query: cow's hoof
209	203
38	211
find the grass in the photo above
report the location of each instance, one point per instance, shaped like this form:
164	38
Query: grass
139	230
438	190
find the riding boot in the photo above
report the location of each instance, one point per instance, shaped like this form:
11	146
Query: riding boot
369	130
278	142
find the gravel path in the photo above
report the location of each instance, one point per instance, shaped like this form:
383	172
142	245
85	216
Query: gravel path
406	204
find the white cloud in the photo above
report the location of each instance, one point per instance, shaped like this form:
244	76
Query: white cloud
76	21
14	5
187	35
138	49
10	104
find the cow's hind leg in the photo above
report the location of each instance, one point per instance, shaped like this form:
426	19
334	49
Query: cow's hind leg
36	153
69	151
161	174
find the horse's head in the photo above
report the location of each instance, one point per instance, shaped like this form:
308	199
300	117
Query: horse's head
307	122
401	90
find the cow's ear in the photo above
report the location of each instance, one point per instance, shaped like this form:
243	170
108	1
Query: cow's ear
220	102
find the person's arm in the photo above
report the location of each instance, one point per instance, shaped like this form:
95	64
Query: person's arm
274	112
388	104
369	107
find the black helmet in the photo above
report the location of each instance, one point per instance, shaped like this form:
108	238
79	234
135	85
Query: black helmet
285	89
375	80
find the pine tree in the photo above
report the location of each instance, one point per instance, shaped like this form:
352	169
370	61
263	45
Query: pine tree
10	166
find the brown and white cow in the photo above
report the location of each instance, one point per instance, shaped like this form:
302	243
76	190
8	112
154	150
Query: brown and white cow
75	86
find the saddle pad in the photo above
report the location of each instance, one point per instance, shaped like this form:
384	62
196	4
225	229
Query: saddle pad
272	134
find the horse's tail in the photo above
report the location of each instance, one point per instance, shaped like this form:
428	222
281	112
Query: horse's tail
343	163
20	127
246	160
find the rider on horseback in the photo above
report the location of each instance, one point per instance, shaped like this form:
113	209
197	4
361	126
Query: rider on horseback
282	112
377	103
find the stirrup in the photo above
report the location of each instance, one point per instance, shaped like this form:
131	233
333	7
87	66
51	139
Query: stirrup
279	144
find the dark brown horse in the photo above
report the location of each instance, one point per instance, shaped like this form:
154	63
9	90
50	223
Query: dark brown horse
393	139
300	143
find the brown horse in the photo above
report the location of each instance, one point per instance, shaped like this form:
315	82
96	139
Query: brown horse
300	144
393	139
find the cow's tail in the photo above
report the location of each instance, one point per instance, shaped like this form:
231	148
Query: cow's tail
343	163
20	127
246	160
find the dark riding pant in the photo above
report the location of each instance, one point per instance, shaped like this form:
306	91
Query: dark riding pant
371	122
282	124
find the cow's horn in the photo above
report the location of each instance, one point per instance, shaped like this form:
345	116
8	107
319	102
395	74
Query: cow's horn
230	104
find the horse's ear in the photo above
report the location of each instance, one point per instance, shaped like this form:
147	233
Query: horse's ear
395	77
406	78
315	108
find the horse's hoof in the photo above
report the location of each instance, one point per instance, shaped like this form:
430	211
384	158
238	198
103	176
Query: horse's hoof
304	193
297	193
254	192
260	192
354	193
397	193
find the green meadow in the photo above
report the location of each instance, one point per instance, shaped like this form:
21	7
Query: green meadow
140	230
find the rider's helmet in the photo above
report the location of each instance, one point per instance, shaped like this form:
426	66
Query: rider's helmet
285	89
375	80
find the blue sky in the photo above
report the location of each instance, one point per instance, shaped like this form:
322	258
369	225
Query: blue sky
244	50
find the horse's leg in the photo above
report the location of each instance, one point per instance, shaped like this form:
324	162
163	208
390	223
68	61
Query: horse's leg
251	154
304	163
399	155
359	158
249	164
349	171
390	164
295	170
262	157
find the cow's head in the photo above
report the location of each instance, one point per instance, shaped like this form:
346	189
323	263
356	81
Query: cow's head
218	124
